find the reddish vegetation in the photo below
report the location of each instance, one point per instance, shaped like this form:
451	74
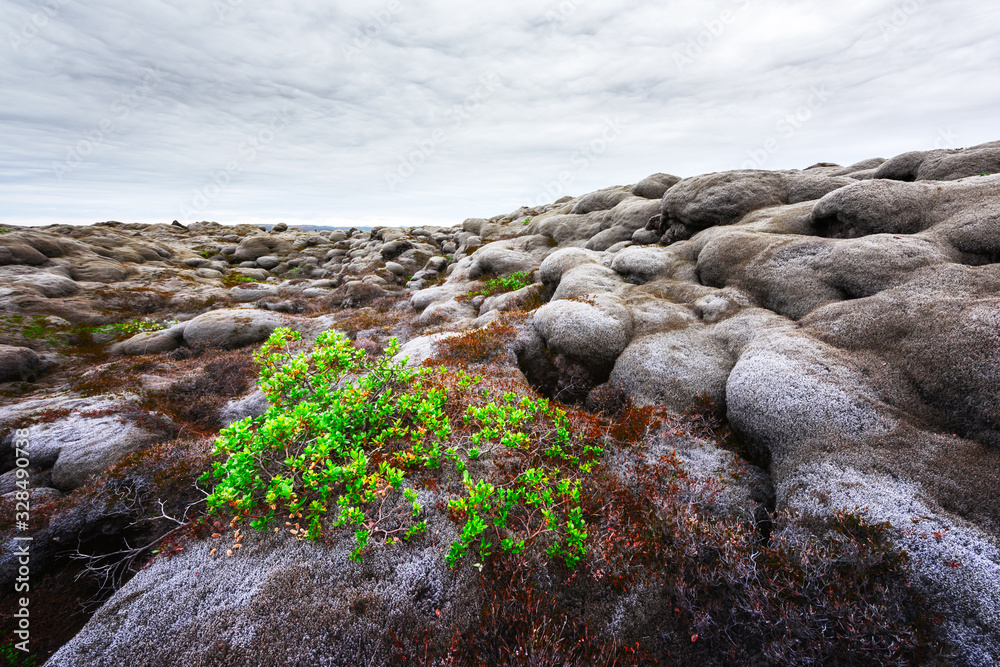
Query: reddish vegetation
698	589
710	589
382	315
474	347
198	386
134	301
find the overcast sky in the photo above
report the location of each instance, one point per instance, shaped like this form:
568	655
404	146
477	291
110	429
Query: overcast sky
432	111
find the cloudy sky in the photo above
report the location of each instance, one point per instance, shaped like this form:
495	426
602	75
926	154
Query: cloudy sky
431	111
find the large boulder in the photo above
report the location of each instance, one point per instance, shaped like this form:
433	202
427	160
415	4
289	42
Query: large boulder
147	343
675	369
602	200
100	443
834	437
18	363
565	229
417	350
593	333
722	198
505	257
726	197
523	299
248	292
942	164
268	262
643	264
962	215
787	389
98	270
874	207
655	186
395	248
43	243
564	260
623	221
84	442
441	312
943	339
228	329
357	293
53	285
14	250
253	404
255	247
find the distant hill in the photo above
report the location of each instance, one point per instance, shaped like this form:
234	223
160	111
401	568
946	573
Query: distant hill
322	228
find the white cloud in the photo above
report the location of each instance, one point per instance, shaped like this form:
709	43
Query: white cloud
363	88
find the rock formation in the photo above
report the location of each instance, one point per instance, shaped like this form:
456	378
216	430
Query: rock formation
846	320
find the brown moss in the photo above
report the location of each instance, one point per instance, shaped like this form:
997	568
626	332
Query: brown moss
113	378
131	302
474	347
381	315
205	382
533	301
44	417
195	400
698	588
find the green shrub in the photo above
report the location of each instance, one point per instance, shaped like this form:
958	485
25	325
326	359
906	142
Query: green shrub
13	656
234	279
130	328
40	328
34	328
513	282
345	434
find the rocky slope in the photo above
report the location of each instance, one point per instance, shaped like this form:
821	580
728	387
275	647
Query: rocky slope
846	321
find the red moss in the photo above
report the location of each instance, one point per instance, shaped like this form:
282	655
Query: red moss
474	347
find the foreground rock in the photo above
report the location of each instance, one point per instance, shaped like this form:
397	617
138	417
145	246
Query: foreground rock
276	601
18	363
